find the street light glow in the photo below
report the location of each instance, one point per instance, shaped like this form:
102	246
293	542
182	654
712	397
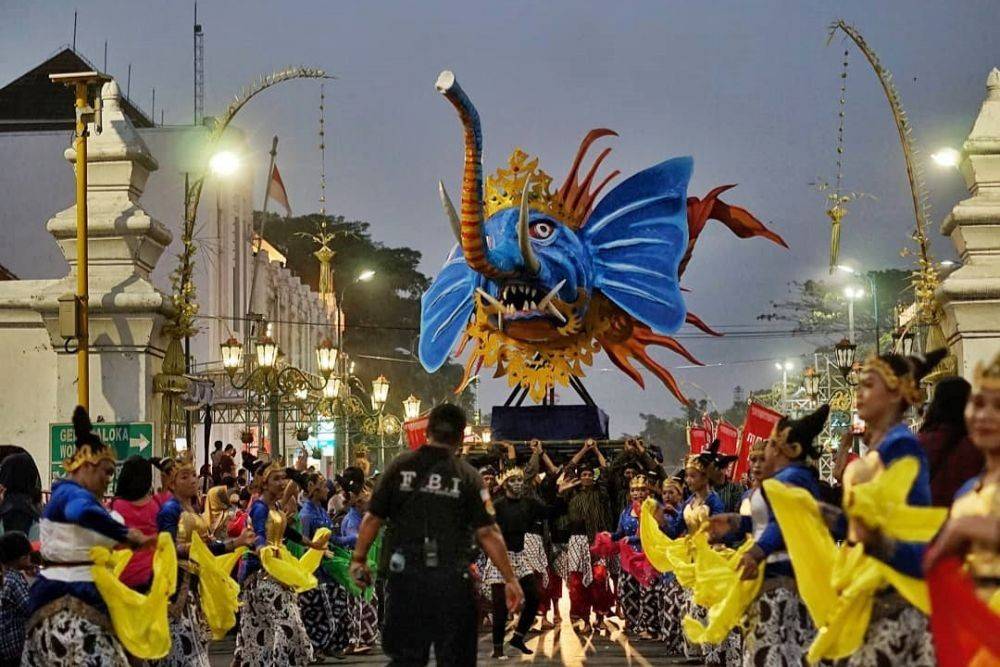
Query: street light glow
224	163
846	269
365	276
853	292
786	365
946	157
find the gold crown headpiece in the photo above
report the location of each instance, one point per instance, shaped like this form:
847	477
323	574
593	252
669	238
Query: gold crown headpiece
673	482
508	473
173	466
696	462
779	436
757	448
570	204
907	385
987	376
638	482
271	467
85	454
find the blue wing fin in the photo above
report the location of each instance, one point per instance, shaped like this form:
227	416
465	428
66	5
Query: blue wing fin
445	309
637	236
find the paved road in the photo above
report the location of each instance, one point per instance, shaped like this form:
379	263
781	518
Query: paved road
561	646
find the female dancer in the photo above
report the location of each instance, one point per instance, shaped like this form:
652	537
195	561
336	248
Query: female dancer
890	384
779	629
180	517
972	533
324	608
362	613
641	605
674	603
271	629
69	624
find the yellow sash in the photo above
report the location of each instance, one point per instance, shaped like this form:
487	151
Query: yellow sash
296	573
217	590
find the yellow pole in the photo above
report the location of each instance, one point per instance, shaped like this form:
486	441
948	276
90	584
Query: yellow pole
82	292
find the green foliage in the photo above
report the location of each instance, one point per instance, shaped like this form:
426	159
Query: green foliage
382	315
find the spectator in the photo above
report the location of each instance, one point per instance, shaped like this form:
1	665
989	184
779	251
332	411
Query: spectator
21	500
205	479
227	464
135	503
216	456
952	457
15	559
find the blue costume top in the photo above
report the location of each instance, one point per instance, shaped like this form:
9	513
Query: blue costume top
312	517
349	529
270	527
628	527
72	523
899	442
764	527
180	524
677	525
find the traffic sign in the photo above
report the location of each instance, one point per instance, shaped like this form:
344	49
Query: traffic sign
126	439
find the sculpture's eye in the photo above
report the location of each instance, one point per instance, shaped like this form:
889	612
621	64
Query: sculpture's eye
541	229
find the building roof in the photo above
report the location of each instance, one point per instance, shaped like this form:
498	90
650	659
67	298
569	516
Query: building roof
32	103
5	273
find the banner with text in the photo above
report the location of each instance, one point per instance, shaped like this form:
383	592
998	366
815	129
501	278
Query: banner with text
759	423
698	439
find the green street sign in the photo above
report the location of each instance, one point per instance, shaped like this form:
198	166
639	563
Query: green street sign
135	439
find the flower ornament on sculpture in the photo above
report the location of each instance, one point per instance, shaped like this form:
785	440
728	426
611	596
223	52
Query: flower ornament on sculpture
540	279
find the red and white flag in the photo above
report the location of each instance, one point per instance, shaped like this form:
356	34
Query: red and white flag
276	191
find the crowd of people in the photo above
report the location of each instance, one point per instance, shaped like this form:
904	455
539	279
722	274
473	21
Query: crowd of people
697	564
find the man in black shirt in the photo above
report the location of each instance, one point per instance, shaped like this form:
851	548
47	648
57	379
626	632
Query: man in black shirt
433	505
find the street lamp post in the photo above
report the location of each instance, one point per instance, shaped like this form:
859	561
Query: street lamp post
784	367
852	293
874	288
364	276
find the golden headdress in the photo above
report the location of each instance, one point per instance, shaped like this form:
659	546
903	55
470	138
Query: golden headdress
269	468
638	482
508	473
171	467
676	482
89	448
904	373
796	438
700	462
987	376
757	448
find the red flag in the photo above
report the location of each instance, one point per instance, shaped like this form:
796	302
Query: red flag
416	432
706	423
276	191
698	439
758	425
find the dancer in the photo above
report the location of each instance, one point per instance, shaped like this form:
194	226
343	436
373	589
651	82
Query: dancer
587	514
641	605
517	516
180	517
135	503
778	627
965	629
324	608
674	602
271	629
363	613
890	384
69	625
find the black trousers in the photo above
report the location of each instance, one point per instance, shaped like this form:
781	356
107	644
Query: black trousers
530	586
425	608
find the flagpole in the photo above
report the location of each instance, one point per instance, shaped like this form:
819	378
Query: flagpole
260	236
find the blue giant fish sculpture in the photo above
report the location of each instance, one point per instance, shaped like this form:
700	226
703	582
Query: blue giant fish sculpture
539	281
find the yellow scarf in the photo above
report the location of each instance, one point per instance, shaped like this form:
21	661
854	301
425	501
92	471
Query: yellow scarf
838	583
295	573
140	621
217	591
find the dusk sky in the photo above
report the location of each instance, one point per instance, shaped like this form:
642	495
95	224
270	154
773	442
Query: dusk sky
749	88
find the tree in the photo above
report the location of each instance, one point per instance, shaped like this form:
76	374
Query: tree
819	306
382	316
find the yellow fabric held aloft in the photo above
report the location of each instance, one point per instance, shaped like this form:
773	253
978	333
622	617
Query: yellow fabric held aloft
217	591
838	583
140	621
295	573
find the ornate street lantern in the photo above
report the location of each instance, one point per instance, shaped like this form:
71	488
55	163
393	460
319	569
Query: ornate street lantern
411	407
380	391
810	381
845	351
232	355
301	394
907	341
267	352
331	389
487	436
326	357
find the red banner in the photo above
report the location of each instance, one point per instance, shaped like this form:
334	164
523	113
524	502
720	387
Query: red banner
759	423
698	439
416	432
728	436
